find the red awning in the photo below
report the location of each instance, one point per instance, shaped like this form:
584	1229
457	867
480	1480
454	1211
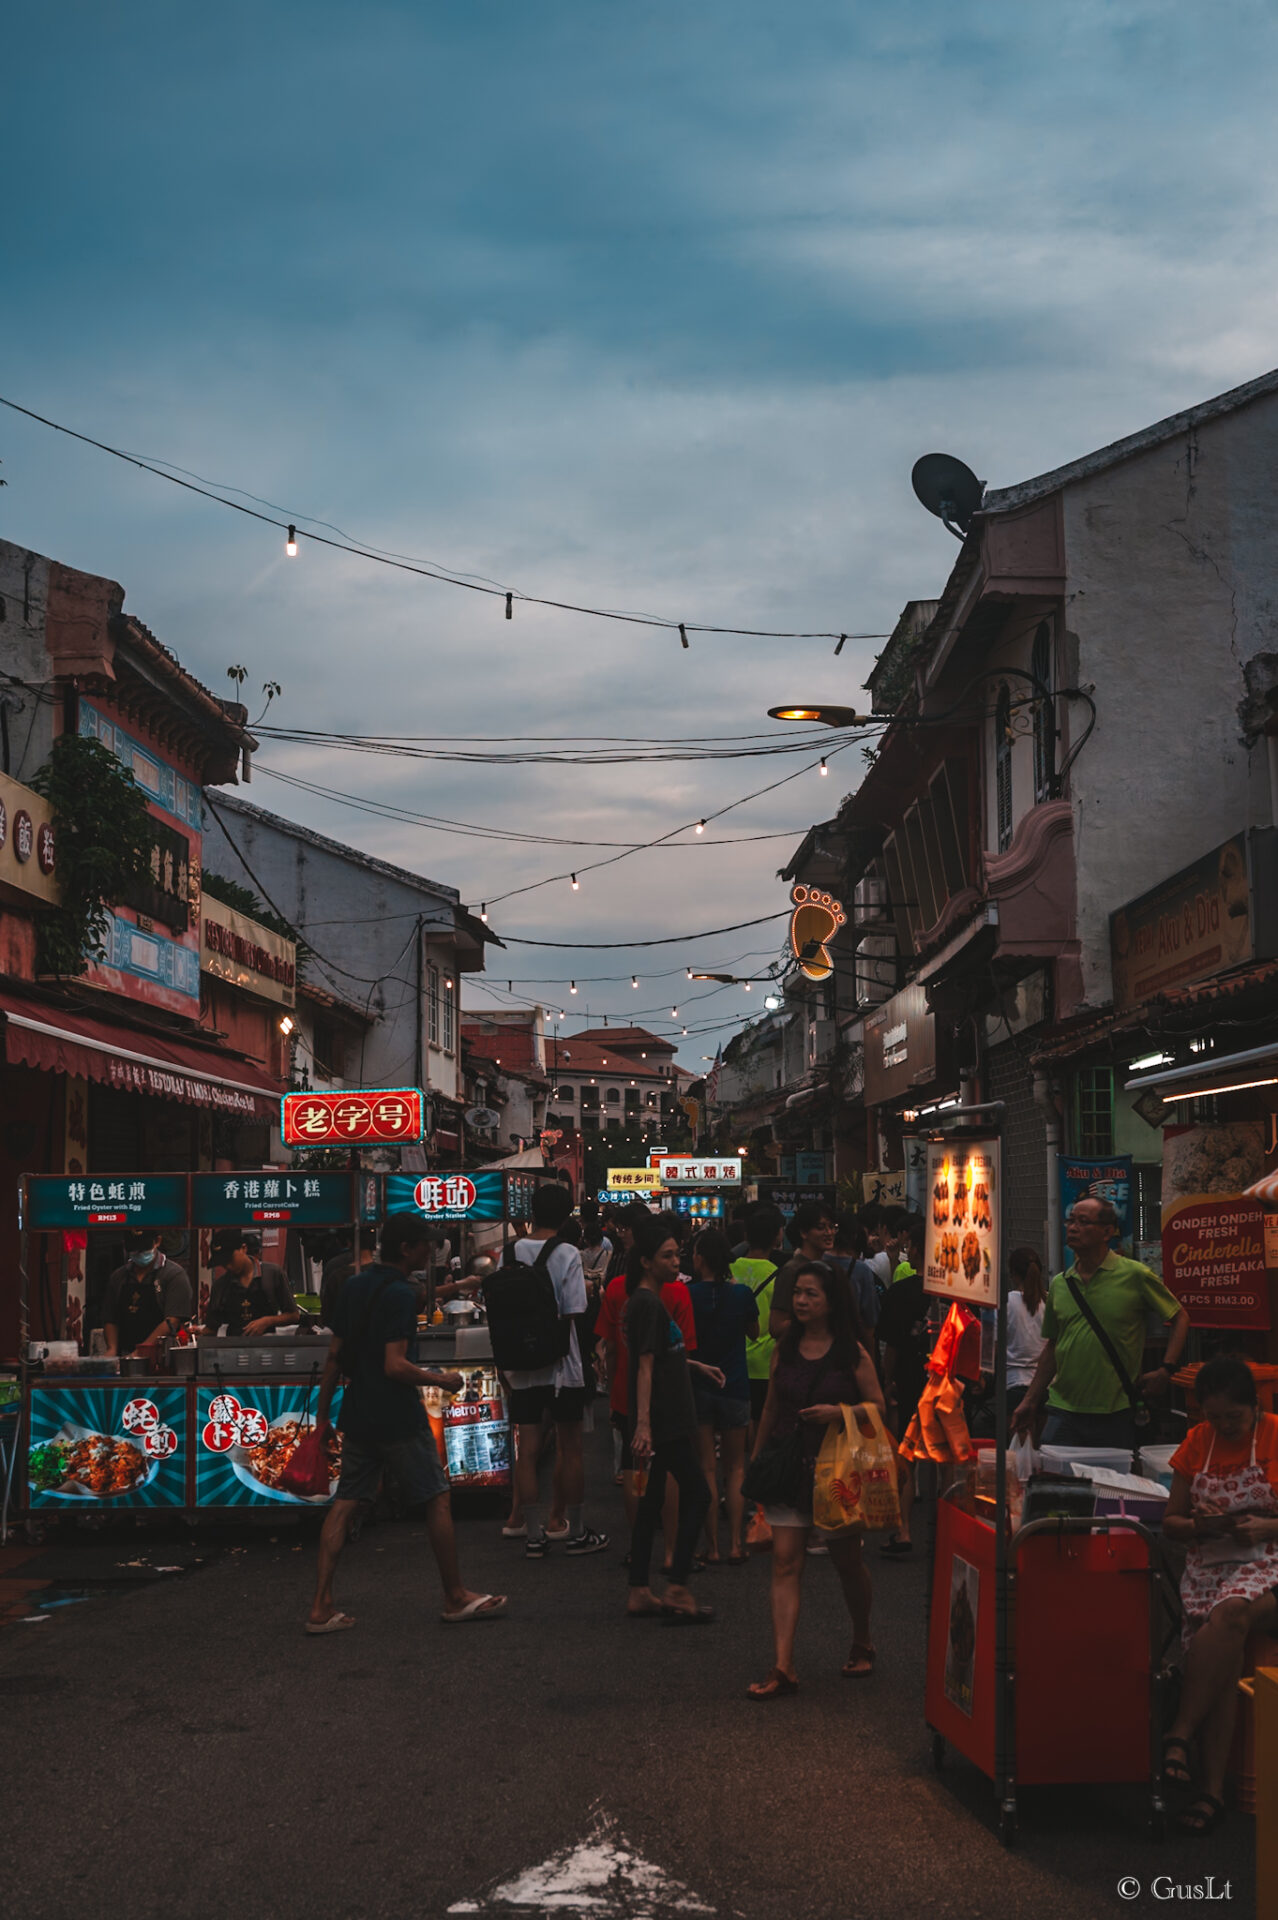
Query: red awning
59	1041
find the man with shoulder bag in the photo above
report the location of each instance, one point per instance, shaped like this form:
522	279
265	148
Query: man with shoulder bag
1089	1371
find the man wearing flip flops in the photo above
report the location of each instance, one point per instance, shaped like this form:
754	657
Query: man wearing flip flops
383	1422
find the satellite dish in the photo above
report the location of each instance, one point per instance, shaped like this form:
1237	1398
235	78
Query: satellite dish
948	489
483	1119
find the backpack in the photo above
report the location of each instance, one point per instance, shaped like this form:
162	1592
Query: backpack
524	1321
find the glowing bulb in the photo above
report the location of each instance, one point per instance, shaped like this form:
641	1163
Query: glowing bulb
824	768
746	985
572	986
684	1031
286	1025
701	826
674	1013
290	545
689	973
634	980
576	884
483	911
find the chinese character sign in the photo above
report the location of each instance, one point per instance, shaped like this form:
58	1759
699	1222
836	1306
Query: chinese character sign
352	1117
447	1196
145	1200
634	1179
682	1170
961	1250
275	1196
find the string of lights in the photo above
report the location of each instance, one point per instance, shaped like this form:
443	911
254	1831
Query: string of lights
408	747
298	526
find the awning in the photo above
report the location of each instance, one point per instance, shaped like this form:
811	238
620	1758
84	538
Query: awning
1227	1072
56	1040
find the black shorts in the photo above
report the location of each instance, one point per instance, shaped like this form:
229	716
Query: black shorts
530	1405
623	1425
758	1396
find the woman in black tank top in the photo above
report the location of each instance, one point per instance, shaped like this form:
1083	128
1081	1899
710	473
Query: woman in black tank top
820	1366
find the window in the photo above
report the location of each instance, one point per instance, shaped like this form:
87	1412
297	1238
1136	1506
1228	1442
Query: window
1044	716
613	1096
164	894
1094	1111
589	1097
590	1121
614	1123
328	1050
432	1005
450	1016
564	1095
1003	769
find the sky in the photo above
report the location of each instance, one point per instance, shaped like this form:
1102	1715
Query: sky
649	307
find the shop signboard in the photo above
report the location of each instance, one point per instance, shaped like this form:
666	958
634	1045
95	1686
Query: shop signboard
126	1200
28	843
1214	1260
1105	1179
235	948
809	1169
245	1438
961	1247
107	1446
478	1196
900	1047
275	1197
353	1117
1217	913
634	1180
884	1189
687	1170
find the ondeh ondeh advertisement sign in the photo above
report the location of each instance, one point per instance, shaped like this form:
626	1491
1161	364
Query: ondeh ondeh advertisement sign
1214	1260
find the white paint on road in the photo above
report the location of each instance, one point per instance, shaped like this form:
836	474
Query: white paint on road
602	1877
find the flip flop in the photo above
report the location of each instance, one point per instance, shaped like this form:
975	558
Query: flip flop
773	1687
485	1606
1176	1771
644	1613
852	1668
737	1559
682	1617
334	1624
1201	1817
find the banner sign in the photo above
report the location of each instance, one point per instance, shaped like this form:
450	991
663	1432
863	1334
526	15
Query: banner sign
1214	1260
961	1249
476	1428
1109	1179
256	1199
355	1116
245	1438
448	1196
682	1170
112	1446
633	1180
131	1200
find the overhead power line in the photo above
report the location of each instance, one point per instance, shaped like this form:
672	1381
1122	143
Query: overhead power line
291	522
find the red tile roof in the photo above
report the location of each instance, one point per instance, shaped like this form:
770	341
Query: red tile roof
626	1038
577	1055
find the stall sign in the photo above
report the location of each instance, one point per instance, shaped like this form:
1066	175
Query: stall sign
1214	1260
448	1196
1109	1179
1215	914
477	1450
634	1179
128	1200
107	1446
809	1169
817	917
682	1170
278	1197
245	1437
353	1117
961	1246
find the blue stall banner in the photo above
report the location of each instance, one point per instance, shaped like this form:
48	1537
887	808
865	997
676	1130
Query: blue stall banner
245	1436
128	1200
448	1196
809	1169
1109	1179
107	1446
281	1196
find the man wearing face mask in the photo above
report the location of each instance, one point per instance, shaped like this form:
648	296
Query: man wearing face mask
147	1298
249	1296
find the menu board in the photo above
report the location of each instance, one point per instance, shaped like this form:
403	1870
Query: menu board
961	1251
246	1434
113	1446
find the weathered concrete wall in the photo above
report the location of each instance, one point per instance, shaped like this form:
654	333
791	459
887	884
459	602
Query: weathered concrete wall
1172	585
24	599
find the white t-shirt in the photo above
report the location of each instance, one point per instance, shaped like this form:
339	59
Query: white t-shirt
1024	1339
570	1291
882	1264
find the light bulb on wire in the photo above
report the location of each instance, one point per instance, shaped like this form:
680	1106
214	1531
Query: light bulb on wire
634	980
576	884
824	768
483	911
572	986
290	545
701	826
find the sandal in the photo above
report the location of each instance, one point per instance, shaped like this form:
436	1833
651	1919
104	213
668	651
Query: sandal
773	1687
1176	1772
698	1566
737	1559
1209	1812
859	1664
687	1616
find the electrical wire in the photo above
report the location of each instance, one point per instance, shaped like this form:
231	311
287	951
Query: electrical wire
409	747
383	557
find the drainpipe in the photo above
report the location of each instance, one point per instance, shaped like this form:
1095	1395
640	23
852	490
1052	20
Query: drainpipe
1271	745
1051	1115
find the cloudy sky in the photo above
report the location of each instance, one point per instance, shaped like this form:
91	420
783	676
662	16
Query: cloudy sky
650	307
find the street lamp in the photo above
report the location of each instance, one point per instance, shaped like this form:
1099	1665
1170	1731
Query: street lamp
823	715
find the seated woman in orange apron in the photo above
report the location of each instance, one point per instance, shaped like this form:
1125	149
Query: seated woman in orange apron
1224	1507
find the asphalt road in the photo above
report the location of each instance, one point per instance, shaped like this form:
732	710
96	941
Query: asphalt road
184	1748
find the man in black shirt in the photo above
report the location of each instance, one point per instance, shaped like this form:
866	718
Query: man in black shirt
147	1298
383	1421
249	1296
903	1330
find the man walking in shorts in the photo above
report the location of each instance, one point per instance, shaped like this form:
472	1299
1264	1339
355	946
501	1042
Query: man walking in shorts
383	1422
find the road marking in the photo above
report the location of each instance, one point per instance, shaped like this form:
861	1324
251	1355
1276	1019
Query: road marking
602	1877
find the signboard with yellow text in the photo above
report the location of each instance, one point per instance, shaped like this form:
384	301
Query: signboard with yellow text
961	1250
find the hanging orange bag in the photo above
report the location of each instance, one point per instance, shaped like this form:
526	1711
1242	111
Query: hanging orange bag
854	1485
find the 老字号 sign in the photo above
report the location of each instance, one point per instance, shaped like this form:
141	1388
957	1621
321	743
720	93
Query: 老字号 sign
143	1200
263	1199
355	1116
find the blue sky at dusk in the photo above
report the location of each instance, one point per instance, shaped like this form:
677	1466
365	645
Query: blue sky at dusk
651	307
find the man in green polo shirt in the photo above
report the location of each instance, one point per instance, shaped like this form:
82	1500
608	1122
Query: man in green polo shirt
1087	1405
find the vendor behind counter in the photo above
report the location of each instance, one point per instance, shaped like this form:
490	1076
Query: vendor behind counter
248	1295
147	1299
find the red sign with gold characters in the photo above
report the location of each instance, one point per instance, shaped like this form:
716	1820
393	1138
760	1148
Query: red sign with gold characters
352	1117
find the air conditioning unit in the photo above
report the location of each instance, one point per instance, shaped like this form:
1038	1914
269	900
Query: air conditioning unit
875	971
870	902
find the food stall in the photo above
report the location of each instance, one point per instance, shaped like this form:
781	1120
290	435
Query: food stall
1041	1664
699	1185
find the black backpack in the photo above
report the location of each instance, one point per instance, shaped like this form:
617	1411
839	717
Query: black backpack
524	1322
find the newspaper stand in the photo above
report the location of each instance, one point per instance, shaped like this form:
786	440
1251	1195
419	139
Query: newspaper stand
1041	1665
